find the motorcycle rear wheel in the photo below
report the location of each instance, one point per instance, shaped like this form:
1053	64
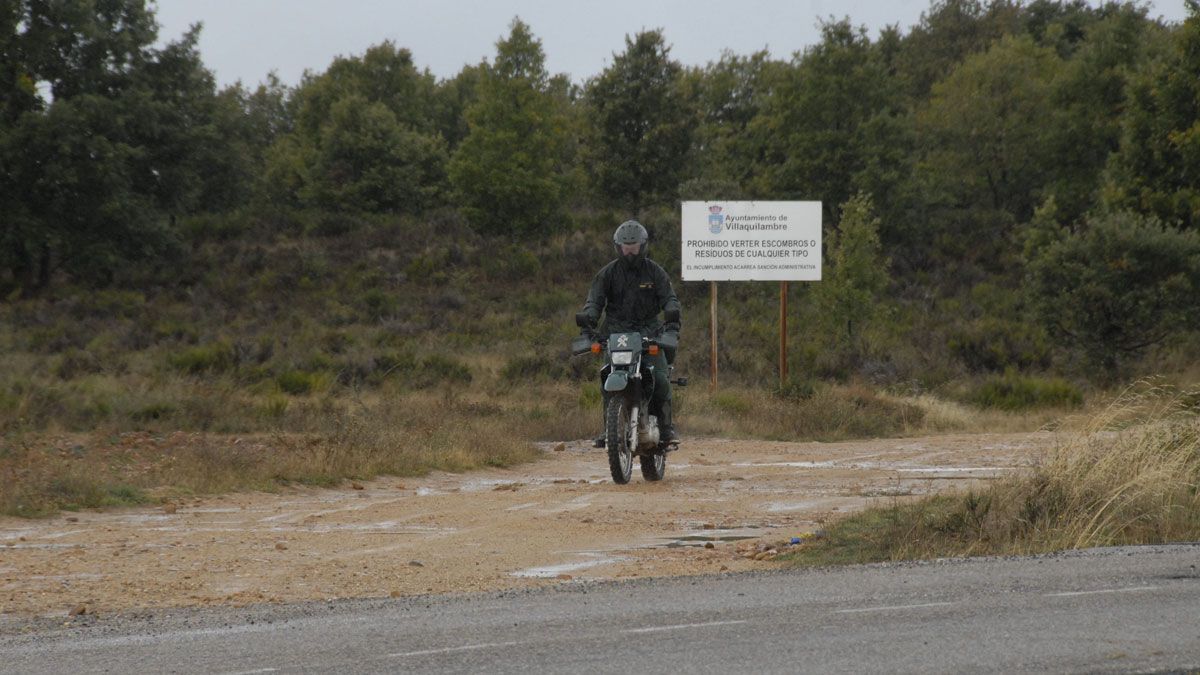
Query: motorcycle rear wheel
620	452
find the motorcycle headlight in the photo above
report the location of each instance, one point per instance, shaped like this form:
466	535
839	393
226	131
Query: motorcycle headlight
622	358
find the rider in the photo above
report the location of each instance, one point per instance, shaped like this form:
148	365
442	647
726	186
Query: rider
631	291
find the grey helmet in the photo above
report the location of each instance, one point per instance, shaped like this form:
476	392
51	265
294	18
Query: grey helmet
631	232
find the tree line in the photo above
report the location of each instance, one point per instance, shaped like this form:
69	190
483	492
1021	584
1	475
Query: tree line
1049	148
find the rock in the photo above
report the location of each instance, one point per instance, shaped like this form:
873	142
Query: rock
709	544
169	508
415	563
588	520
565	577
400	486
357	486
72	519
280	546
79	610
708	526
395	594
560	447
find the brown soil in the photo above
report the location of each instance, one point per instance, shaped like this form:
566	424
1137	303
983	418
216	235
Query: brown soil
557	520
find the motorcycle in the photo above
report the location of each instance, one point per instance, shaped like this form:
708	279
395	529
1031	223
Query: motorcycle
630	430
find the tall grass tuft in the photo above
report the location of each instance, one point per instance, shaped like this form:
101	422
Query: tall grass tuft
1129	474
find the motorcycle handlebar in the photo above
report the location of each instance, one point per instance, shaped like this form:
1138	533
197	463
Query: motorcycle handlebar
583	343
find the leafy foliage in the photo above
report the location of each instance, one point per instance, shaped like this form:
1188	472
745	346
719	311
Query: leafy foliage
1157	167
509	170
1125	283
641	123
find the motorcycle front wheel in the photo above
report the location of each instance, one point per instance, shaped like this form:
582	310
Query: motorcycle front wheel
654	465
618	431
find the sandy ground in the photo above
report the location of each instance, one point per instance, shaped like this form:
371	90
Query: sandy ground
557	520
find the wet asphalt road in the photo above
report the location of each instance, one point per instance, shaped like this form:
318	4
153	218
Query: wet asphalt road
1107	610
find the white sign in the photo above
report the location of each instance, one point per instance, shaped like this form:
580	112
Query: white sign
751	241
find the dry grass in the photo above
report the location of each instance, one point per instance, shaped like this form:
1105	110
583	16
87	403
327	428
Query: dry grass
1127	474
405	436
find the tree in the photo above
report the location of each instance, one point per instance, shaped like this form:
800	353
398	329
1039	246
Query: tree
855	276
1125	283
365	160
511	172
987	158
949	32
1088	100
728	96
640	123
91	176
363	137
827	120
1157	169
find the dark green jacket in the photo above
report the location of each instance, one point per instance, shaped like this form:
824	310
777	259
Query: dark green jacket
631	297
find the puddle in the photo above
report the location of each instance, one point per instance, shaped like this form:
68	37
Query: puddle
551	571
784	507
794	465
956	469
698	540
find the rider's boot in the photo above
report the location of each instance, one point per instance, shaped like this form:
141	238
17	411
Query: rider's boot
666	427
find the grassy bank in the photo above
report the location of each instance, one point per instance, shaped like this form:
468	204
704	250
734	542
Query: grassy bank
321	439
1129	474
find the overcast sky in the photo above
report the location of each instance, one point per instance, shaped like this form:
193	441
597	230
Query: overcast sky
246	39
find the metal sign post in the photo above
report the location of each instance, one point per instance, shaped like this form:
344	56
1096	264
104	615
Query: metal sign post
783	364
712	330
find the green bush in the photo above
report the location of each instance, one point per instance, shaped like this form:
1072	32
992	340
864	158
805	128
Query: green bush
512	263
212	357
996	344
379	303
75	362
299	382
1018	392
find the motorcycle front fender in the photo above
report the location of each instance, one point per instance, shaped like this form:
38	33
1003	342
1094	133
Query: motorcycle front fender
617	381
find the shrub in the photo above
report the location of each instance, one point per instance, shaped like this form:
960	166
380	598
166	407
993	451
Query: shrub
547	366
299	382
1017	392
153	411
512	263
1125	283
75	362
379	303
995	344
213	357
437	369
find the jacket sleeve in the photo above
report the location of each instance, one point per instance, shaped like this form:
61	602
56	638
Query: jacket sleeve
666	296
597	298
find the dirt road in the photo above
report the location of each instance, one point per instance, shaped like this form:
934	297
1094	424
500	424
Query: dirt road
553	521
